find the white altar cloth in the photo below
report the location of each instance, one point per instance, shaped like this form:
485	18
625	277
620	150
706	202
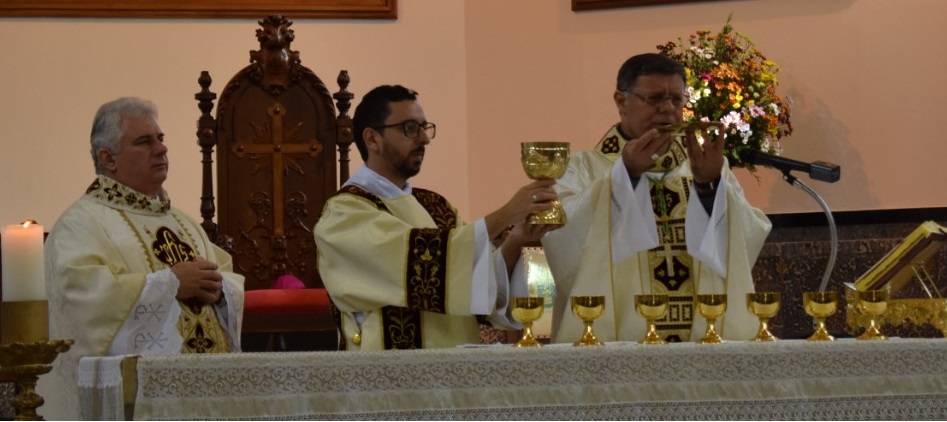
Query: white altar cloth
896	379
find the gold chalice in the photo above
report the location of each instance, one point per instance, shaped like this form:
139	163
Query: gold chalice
651	307
588	308
546	160
764	305
711	306
820	305
526	310
873	303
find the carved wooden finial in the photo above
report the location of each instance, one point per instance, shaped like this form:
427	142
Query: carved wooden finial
274	65
275	33
206	139
344	135
343	98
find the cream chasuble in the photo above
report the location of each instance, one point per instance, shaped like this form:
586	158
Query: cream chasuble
110	286
401	270
621	241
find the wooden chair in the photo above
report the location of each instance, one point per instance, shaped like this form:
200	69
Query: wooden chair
276	134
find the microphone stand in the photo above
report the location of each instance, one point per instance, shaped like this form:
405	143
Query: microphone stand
792	180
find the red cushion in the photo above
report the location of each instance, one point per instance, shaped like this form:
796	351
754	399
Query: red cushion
286	301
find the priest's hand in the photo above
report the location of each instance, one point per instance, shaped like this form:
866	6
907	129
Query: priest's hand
525	234
706	159
640	154
520	235
534	197
199	279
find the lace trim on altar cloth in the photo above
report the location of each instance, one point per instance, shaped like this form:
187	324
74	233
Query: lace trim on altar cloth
100	389
919	407
896	379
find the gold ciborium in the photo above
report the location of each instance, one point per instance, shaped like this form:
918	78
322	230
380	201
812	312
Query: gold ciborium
25	362
873	303
546	160
711	307
764	305
651	307
526	310
588	309
820	305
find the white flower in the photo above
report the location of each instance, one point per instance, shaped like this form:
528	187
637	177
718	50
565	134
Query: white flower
735	120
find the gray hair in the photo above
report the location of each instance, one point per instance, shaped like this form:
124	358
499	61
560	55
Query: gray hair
107	128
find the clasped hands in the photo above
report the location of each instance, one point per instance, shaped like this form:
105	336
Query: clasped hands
199	280
706	160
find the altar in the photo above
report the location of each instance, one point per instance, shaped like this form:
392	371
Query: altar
896	379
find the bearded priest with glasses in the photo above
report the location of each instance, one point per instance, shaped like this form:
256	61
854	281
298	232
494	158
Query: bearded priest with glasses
404	271
651	210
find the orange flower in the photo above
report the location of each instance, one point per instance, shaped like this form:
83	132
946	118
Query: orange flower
730	81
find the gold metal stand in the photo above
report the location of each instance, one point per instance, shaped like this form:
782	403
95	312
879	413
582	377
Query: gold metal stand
25	363
26	352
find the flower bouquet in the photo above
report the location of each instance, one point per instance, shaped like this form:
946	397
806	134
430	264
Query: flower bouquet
729	81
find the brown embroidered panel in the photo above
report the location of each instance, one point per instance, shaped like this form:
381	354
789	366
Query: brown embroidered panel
201	330
427	265
444	216
611	145
169	248
402	328
427	259
358	191
426	269
114	193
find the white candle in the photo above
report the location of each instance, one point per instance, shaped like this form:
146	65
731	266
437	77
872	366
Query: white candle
24	277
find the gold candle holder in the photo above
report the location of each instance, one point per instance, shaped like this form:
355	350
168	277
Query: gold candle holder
25	363
26	352
24	322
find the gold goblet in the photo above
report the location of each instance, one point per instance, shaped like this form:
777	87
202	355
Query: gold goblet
711	306
873	303
588	308
820	305
546	160
764	305
651	307
526	310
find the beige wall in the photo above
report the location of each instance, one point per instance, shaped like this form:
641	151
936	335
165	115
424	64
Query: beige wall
493	73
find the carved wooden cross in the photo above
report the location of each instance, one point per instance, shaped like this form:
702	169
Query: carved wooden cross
279	143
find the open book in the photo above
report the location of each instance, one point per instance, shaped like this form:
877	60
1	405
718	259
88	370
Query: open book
905	261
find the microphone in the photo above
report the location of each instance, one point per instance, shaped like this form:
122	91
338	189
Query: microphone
818	170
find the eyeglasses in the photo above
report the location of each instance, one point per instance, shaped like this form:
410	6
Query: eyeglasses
655	100
412	128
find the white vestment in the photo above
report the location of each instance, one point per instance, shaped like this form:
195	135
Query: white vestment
621	241
110	287
405	271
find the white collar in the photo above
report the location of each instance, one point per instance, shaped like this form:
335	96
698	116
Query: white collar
377	184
